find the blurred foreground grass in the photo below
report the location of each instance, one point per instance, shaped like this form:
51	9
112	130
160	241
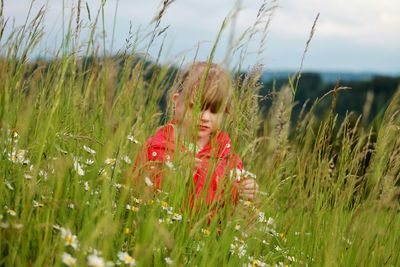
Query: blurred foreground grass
71	128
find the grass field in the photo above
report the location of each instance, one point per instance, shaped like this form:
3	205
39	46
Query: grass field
71	128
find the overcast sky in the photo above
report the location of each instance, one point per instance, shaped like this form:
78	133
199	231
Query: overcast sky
351	35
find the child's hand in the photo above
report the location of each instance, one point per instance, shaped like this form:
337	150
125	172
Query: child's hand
247	189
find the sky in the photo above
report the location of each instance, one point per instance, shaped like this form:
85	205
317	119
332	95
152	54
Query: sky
350	35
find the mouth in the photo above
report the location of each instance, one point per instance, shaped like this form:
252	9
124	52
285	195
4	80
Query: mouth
203	128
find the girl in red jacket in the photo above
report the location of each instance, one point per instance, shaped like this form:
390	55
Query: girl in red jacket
200	100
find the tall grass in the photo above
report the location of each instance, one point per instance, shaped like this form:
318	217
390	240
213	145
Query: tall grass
71	128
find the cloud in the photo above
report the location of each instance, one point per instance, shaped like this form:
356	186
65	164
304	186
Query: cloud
367	28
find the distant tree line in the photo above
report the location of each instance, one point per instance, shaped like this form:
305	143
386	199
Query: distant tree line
368	97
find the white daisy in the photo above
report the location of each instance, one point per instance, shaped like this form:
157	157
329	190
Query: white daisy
68	260
95	261
78	168
127	159
69	238
168	261
126	258
89	150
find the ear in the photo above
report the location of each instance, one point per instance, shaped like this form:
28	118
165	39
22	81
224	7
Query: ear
174	97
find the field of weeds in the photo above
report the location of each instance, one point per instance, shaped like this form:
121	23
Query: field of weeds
71	128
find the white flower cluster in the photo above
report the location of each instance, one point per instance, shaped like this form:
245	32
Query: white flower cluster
171	215
238	174
238	247
125	258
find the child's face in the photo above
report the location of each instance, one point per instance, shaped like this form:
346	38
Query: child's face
208	120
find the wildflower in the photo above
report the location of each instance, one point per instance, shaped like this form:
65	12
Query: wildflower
7	183
11	212
18	156
15	136
27	176
168	261
148	181
282	236
109	161
237	227
238	174
256	262
37	204
199	246
62	150
247	203
348	242
68	260
125	258
43	174
118	186
86	186
261	216
89	150
89	162
78	168
164	205
238	247
248	174
193	148
95	261
132	208
137	201
205	232
177	217
69	238
127	231
131	139
271	221
127	159
170	165
71	206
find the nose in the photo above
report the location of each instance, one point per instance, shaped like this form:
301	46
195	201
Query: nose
205	115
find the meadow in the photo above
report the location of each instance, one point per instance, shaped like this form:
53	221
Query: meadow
71	128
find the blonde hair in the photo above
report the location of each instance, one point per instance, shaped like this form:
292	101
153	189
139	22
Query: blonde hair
214	83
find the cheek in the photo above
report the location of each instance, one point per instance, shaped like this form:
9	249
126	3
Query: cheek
183	114
217	120
179	109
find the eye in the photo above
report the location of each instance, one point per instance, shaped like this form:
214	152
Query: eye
214	110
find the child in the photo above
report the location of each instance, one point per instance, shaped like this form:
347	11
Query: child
200	99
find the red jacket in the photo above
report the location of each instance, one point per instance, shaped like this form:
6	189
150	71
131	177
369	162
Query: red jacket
161	147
